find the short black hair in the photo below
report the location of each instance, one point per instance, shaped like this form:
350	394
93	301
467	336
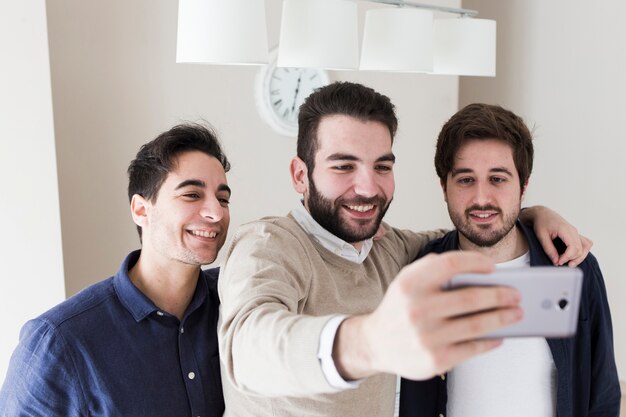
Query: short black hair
346	98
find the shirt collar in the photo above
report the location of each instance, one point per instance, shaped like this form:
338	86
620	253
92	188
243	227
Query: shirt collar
328	240
136	302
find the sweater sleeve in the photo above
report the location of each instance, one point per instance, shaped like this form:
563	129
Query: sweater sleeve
267	346
41	380
406	245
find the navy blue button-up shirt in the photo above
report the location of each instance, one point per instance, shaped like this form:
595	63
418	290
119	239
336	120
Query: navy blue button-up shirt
109	351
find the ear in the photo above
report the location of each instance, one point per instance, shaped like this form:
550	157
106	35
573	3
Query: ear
442	182
139	210
299	175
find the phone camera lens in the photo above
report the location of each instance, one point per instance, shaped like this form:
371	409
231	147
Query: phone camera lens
562	303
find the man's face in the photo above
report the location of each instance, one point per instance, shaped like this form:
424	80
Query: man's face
189	220
352	183
483	191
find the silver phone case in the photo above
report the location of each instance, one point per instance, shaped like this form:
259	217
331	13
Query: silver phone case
542	290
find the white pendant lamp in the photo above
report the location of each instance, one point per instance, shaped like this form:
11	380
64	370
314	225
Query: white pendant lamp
398	39
465	46
319	33
222	32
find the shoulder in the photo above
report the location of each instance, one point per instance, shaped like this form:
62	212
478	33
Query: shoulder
443	244
211	277
84	302
270	234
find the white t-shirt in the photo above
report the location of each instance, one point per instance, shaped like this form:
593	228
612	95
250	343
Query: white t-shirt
516	379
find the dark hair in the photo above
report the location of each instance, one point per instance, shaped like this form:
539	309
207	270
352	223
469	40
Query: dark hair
155	160
350	99
485	121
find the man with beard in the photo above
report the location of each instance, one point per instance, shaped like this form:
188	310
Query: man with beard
311	322
143	342
484	158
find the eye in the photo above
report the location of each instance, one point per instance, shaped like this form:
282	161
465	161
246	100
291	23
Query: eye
384	168
498	180
191	196
224	202
465	180
343	168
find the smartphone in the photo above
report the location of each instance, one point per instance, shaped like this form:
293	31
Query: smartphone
550	298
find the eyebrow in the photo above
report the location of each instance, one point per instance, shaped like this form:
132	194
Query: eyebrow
458	171
347	157
201	184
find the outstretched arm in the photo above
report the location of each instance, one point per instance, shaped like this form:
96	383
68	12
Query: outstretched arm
420	330
549	225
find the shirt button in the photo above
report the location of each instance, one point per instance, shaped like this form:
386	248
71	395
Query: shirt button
443	377
441	415
191	375
160	313
182	330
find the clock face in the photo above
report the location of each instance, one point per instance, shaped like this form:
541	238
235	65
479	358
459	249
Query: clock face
282	91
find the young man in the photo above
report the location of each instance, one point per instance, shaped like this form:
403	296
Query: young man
484	158
143	342
311	323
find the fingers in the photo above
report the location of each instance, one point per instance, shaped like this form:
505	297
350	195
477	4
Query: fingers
587	244
460	352
435	270
548	246
573	251
448	304
465	328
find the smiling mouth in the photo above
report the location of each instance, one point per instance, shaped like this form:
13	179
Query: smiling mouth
361	208
203	233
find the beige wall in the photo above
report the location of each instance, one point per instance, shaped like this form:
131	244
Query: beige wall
116	85
561	65
30	237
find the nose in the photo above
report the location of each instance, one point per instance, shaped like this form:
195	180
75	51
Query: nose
212	210
483	194
366	183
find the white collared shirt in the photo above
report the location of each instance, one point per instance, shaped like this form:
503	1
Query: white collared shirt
328	240
346	251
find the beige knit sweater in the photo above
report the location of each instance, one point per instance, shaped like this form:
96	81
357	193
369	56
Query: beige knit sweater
278	288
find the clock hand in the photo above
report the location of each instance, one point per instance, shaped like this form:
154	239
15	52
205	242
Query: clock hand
295	96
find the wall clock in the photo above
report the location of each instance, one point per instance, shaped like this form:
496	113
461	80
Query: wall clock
280	92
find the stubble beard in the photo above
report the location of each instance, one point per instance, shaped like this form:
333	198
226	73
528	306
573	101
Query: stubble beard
482	235
328	214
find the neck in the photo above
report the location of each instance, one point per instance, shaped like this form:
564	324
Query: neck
510	247
170	285
358	245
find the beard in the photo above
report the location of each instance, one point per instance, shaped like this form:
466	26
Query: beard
483	235
328	214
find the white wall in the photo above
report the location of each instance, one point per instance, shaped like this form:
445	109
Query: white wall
30	238
562	65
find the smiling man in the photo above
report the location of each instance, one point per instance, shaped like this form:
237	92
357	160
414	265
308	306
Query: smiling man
484	159
317	315
143	342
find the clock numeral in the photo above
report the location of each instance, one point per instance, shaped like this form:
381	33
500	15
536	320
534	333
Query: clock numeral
276	77
313	77
286	112
276	103
274	92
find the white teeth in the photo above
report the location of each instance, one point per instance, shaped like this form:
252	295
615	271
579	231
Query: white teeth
202	233
361	208
482	216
